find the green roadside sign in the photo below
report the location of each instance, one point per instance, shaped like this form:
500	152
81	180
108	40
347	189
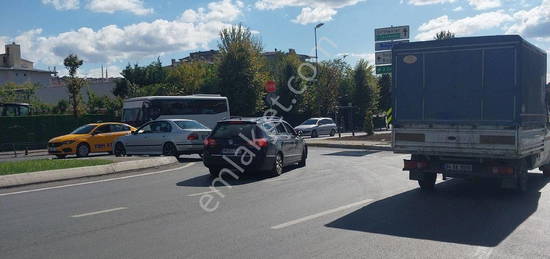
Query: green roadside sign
387	69
386	37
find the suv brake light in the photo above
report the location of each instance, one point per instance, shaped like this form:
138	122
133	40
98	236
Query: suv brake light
209	142
261	142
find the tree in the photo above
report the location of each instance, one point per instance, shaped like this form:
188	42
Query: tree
137	77
61	107
241	70
190	77
12	92
74	84
322	99
365	93
384	82
95	103
444	35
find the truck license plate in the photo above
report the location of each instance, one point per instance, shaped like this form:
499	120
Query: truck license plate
458	167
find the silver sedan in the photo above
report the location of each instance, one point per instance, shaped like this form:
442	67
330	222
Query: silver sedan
170	137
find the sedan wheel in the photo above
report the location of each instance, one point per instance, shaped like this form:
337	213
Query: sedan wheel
169	150
332	132
120	150
83	150
314	134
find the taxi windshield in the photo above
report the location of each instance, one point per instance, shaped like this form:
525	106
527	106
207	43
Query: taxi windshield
86	129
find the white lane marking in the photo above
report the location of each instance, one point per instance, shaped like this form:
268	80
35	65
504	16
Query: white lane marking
202	193
98	181
98	212
320	214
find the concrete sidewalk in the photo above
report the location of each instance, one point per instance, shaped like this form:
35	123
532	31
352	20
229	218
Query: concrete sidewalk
73	173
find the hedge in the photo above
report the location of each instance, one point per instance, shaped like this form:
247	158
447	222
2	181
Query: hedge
38	130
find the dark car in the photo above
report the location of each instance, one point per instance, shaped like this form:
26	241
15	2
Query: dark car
253	144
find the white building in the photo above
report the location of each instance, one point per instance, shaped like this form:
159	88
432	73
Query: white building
15	69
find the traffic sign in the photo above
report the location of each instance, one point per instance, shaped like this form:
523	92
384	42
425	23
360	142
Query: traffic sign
392	33
387	45
383	58
387	69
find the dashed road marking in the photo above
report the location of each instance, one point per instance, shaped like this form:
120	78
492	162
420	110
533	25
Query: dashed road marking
98	212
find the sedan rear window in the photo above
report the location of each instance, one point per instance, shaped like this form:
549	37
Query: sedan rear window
190	125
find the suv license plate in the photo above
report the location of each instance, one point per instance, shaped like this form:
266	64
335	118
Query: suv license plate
458	167
229	151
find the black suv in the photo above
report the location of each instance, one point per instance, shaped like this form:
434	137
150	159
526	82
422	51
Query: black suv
253	144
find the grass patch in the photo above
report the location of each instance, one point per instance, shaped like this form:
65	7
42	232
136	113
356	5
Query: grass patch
28	166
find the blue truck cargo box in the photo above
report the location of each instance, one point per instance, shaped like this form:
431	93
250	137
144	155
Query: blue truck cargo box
492	80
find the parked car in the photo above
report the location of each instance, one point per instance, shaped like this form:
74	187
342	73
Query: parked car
315	127
90	138
169	137
254	144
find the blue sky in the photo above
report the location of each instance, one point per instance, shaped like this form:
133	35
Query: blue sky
117	32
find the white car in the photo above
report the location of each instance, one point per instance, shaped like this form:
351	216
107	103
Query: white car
169	137
317	126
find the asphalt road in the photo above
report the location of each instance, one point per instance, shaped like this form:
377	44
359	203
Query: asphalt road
343	204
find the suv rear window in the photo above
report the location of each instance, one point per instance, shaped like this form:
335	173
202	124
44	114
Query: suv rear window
231	130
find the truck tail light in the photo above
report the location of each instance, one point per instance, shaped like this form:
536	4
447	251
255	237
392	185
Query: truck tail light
411	165
209	142
504	170
193	136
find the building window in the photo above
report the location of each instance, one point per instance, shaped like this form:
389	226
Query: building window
24	74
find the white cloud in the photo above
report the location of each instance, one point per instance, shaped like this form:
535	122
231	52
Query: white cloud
312	15
312	10
110	6
462	27
429	2
484	4
458	9
533	23
133	42
63	4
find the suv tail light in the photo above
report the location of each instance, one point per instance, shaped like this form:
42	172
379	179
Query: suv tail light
261	142
209	142
193	136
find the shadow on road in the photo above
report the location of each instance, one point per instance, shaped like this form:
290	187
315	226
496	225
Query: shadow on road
352	153
457	212
206	180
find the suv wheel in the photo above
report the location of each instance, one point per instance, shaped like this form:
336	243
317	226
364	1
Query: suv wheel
314	134
82	150
277	168
302	162
214	172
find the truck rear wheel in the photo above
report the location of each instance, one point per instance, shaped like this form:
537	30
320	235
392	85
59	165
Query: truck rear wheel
427	182
522	178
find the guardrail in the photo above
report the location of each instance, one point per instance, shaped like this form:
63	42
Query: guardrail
21	149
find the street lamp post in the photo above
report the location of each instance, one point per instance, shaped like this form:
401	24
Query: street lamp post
316	55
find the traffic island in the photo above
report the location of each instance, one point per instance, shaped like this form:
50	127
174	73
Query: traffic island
379	142
105	167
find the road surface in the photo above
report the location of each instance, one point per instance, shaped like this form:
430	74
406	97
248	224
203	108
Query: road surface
345	203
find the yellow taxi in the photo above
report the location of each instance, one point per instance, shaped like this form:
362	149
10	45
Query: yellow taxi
90	138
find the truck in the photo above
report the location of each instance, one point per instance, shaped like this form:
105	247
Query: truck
472	107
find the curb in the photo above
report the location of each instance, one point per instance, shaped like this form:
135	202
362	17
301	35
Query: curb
363	147
81	172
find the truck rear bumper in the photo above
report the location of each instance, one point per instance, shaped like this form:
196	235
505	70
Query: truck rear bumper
454	169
